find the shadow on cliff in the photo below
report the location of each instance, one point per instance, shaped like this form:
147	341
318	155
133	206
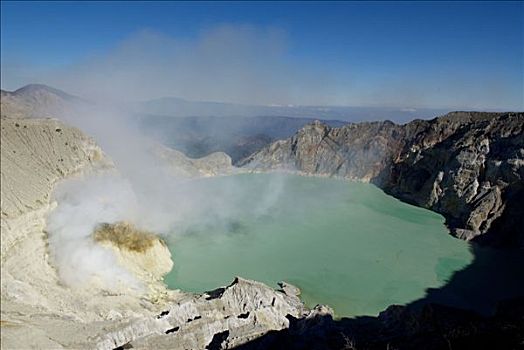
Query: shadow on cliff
481	307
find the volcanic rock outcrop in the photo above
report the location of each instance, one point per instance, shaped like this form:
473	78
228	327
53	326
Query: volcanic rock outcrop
219	319
217	163
468	166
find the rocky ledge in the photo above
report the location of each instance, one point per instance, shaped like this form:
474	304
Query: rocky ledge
219	319
467	166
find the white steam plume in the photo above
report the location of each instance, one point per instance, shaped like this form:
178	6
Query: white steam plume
144	193
82	204
226	63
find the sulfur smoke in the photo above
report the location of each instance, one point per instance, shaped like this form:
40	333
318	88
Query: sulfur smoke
225	63
143	191
83	204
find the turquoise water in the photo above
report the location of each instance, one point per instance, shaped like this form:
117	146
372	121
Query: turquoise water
344	244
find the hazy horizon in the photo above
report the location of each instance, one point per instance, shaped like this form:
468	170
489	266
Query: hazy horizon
319	107
404	55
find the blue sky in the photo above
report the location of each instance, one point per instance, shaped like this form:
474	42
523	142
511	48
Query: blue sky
421	54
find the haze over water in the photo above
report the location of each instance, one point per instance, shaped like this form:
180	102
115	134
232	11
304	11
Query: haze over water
344	244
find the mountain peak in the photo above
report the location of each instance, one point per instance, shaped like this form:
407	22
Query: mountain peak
32	89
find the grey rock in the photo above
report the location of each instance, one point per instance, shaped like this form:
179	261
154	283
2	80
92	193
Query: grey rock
221	319
467	166
289	289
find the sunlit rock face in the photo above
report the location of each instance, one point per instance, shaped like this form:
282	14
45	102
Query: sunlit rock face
472	173
219	319
355	151
467	166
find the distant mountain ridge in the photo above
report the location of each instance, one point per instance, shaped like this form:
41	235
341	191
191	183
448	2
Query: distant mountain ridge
37	101
196	136
178	107
33	89
46	97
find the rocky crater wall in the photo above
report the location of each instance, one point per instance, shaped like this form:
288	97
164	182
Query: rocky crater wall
467	166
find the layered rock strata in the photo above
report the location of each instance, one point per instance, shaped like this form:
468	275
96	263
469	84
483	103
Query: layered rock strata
219	319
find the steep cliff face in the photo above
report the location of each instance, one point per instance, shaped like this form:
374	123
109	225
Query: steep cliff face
468	166
470	170
35	154
354	151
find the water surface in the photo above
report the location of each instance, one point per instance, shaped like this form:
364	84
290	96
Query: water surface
344	244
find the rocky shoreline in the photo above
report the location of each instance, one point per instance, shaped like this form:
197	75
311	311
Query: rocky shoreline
467	166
